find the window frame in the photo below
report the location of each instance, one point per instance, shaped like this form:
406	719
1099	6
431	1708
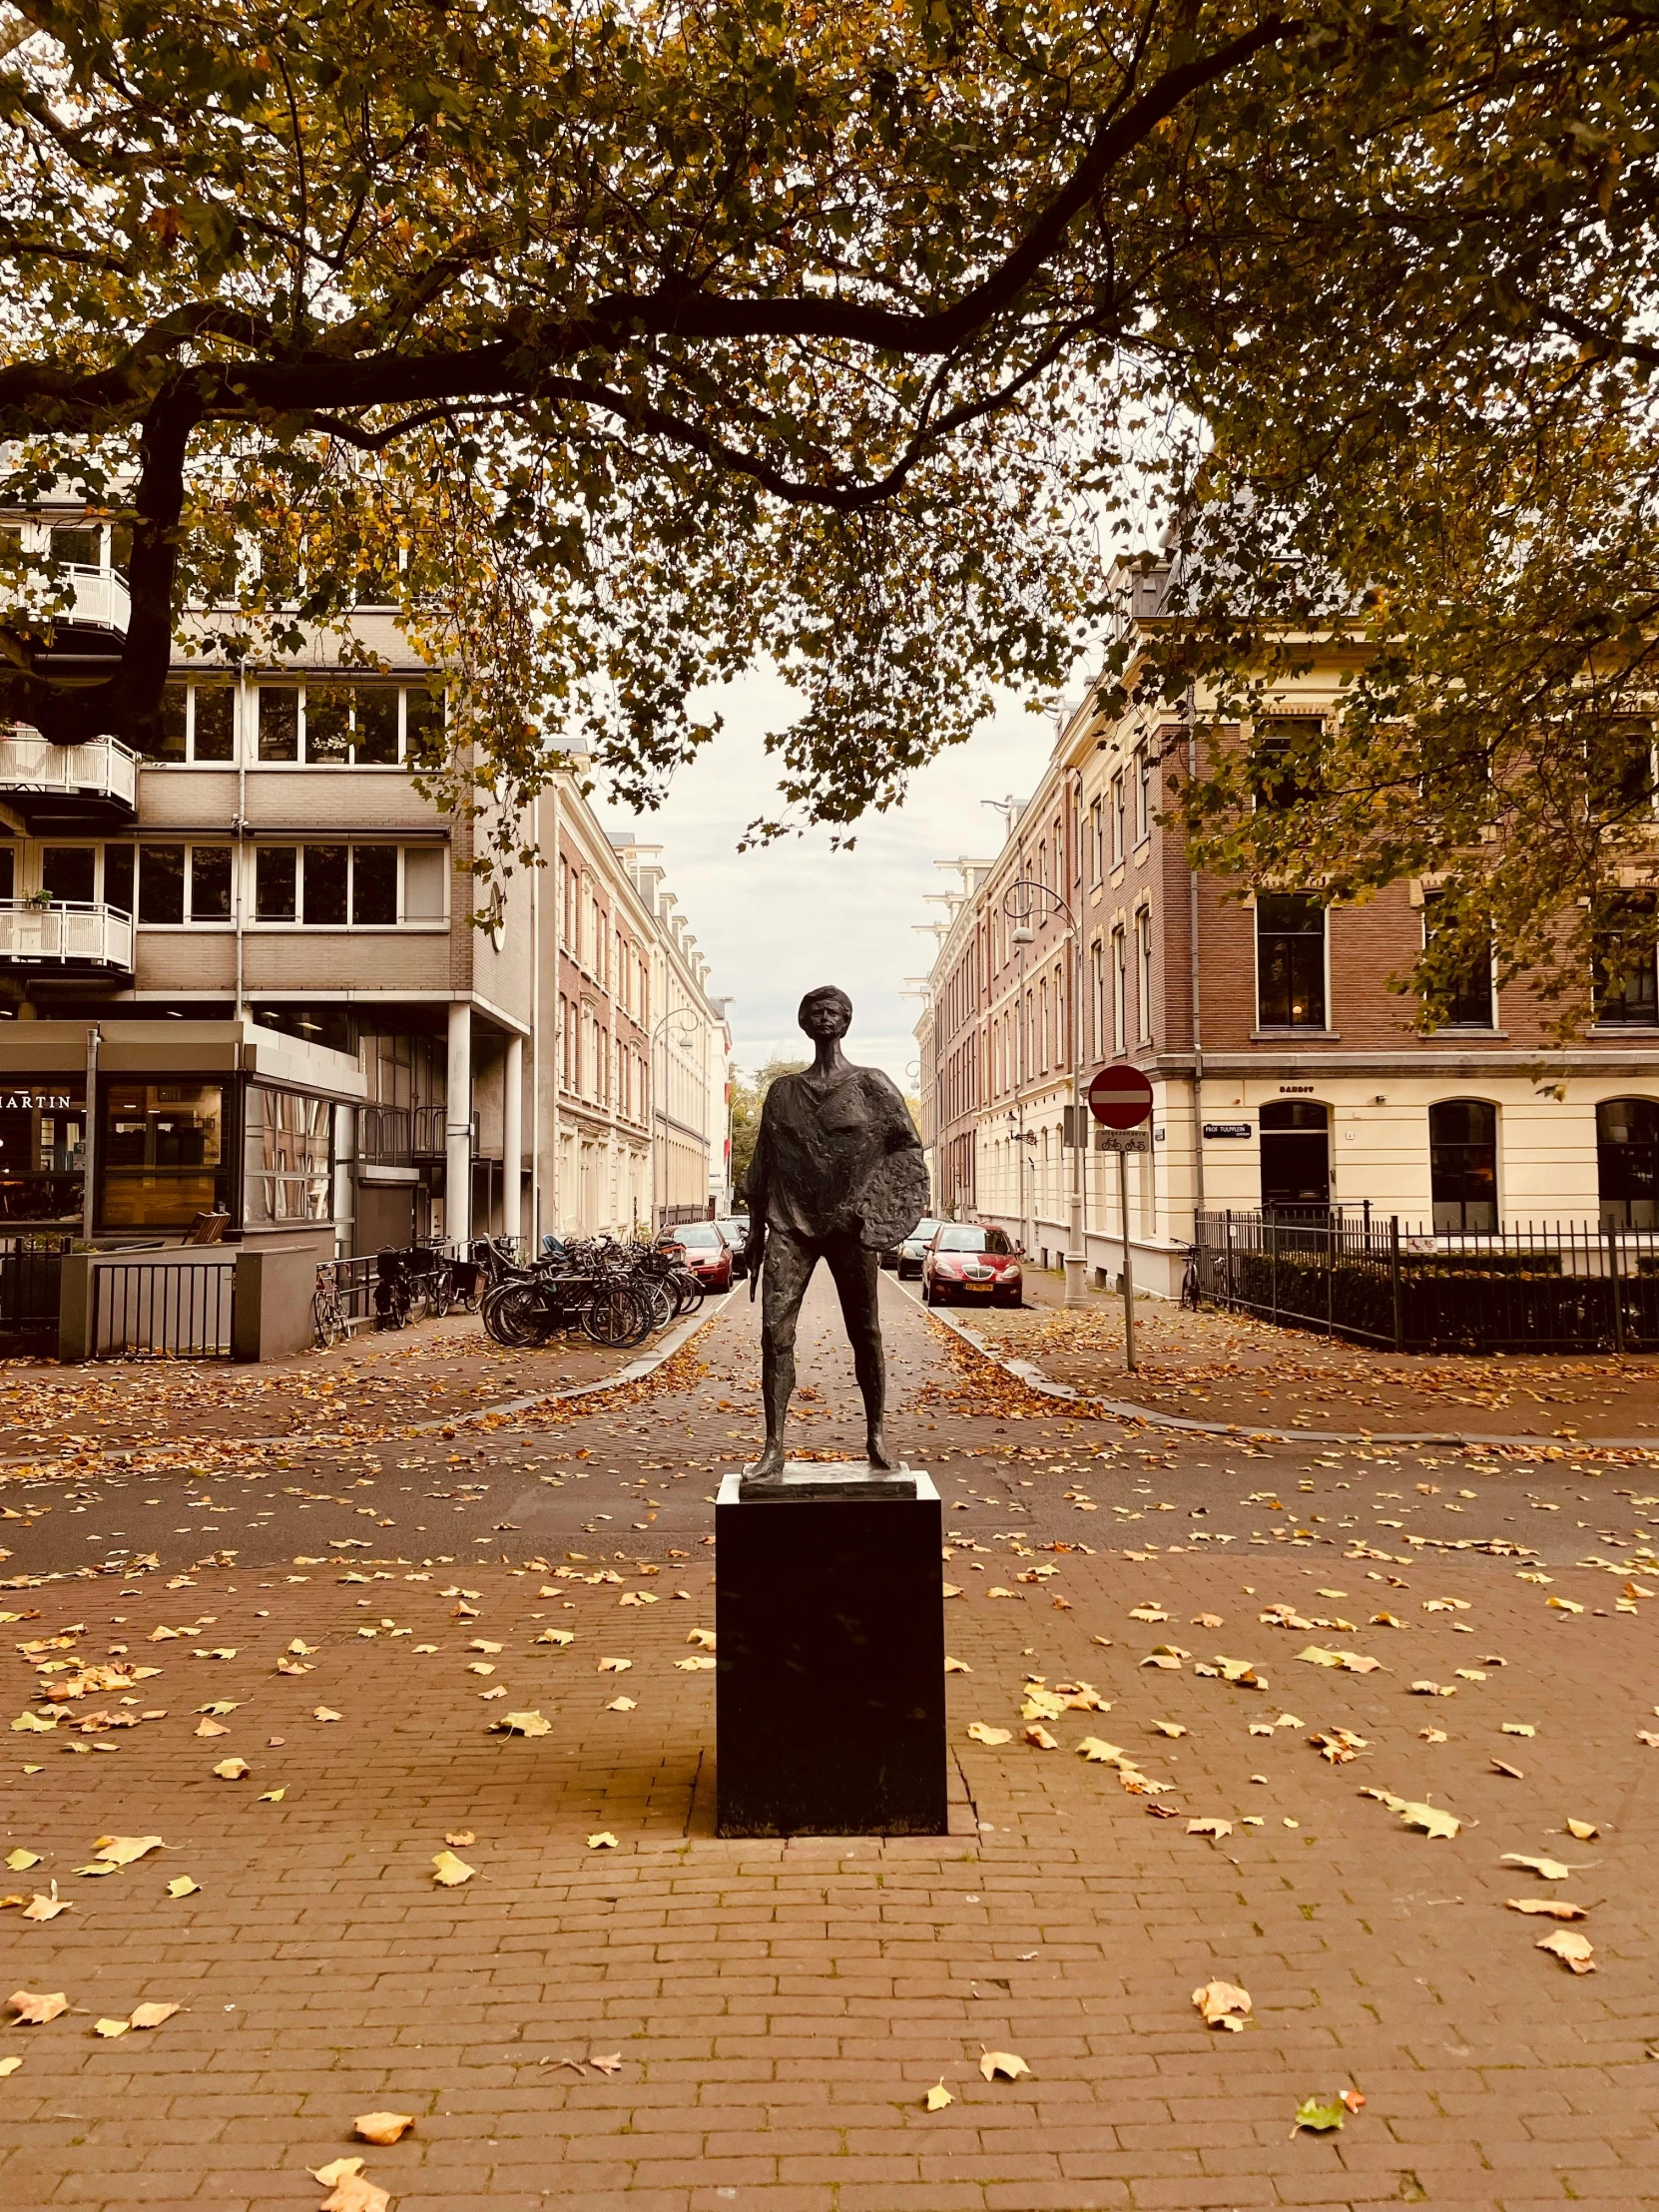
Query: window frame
1302	1029
429	924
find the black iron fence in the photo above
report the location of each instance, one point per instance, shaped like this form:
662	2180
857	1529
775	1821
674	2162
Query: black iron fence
180	1309
1375	1280
31	1280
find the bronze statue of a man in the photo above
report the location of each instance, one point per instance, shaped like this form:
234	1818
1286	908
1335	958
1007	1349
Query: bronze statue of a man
838	1175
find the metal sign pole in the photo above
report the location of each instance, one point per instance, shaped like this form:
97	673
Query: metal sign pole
1128	1270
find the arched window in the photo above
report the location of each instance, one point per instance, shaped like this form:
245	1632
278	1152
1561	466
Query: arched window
1627	1162
1462	1163
1296	1156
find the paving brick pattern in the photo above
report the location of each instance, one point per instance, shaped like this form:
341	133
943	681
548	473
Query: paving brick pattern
778	2012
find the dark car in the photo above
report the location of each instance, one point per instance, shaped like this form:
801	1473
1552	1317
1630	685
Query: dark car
967	1260
708	1254
735	1228
908	1256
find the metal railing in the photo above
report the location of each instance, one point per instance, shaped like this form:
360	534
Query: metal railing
31	1288
66	931
103	768
102	598
175	1309
1373	1279
398	1136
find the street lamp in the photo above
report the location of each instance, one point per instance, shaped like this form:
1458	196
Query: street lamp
1018	904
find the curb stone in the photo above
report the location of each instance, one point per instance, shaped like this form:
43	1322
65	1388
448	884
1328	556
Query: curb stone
1151	1417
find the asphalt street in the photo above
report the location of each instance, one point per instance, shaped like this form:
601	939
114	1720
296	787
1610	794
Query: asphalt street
633	1475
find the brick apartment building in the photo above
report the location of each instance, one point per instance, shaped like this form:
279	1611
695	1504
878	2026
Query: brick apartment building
244	967
1286	1074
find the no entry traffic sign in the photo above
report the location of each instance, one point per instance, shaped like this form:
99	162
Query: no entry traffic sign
1120	1097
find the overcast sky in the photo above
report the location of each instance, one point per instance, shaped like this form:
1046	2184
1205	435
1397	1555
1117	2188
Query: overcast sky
774	923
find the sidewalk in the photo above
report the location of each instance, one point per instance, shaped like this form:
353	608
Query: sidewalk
378	1381
1221	1366
676	2023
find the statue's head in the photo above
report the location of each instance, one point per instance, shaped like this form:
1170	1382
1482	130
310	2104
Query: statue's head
825	1013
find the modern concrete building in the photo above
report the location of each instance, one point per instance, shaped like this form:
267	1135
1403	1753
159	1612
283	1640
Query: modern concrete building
1285	1073
240	975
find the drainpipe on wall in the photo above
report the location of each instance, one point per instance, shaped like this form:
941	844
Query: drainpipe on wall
89	1123
1198	1043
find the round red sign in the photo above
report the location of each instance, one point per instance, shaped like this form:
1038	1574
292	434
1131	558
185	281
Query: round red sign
1120	1097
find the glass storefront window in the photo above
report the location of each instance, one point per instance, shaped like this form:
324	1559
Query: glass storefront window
287	1157
41	1150
161	1155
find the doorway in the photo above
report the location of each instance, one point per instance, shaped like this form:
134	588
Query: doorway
1296	1157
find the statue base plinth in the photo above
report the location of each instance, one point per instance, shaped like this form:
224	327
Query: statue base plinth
829	1657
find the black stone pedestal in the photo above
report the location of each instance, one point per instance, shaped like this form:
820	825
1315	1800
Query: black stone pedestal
829	1658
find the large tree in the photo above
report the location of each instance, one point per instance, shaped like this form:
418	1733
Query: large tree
643	340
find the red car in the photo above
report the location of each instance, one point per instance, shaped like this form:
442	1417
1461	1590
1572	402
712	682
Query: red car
708	1254
966	1261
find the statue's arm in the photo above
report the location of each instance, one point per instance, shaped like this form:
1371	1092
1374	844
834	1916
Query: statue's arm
898	1131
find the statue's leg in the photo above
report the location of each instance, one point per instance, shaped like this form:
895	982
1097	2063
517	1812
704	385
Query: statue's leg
858	1277
785	1273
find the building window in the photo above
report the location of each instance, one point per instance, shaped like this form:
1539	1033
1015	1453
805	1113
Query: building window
1471	1004
210	882
287	1157
1627	1162
160	883
1143	795
162	1160
41	1150
1120	992
1463	1164
1097	995
339	723
1622	965
1119	825
1284	760
69	872
1143	965
1290	962
199	722
1097	841
362	886
1296	1156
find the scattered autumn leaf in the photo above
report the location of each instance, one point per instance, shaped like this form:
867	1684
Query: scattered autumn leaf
35	2011
110	2027
233	1770
151	2016
1320	2113
981	1734
1551	1870
1553	1908
1575	1951
603	1841
1583	1832
461	1838
450	1870
20	1860
608	2062
938	2097
181	1886
1215	1828
1007	2064
384	2127
1222	2004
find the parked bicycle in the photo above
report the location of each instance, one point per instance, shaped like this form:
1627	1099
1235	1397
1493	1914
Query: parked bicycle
327	1311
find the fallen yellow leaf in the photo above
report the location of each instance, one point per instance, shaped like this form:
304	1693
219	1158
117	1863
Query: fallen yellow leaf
1575	1951
1007	2064
122	1851
233	1770
1553	1908
110	2027
20	1860
9	2065
934	2102
450	1870
603	1841
152	2015
1222	2004
384	2127
980	1734
1551	1870
1583	1832
1218	1829
35	2011
183	1887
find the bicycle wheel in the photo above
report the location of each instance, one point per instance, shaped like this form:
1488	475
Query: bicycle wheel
505	1316
436	1288
690	1290
327	1319
617	1317
665	1307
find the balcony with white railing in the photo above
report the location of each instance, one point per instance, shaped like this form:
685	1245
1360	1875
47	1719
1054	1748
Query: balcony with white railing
102	600
91	784
66	933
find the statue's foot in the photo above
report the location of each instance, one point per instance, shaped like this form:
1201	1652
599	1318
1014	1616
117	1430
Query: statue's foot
879	1450
769	1467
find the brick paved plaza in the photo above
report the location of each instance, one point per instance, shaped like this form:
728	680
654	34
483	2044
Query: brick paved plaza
680	2024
